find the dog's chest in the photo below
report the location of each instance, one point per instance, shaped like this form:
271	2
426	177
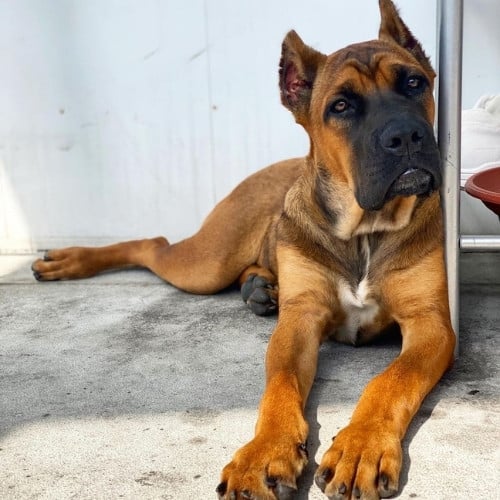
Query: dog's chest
359	308
357	301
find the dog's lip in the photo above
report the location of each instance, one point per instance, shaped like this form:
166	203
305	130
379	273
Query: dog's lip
407	178
412	181
414	171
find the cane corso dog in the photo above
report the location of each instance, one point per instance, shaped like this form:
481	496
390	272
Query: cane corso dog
344	243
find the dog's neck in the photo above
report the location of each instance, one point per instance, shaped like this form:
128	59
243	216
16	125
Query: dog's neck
335	209
393	216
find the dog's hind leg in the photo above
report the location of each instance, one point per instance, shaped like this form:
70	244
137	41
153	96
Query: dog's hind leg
230	240
196	264
85	262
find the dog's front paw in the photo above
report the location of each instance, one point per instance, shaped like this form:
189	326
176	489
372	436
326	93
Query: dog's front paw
263	470
363	462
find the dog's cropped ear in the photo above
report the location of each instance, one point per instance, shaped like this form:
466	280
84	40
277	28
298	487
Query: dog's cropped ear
393	29
299	65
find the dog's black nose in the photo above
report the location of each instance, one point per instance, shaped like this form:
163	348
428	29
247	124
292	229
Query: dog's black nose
402	138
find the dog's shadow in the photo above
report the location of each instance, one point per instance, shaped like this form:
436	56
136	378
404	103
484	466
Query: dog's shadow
321	393
306	480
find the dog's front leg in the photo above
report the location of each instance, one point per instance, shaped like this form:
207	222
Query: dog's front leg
268	466
365	458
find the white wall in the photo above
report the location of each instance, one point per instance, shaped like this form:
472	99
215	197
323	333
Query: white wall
127	118
481	50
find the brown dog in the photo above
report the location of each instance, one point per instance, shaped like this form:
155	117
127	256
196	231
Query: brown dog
353	233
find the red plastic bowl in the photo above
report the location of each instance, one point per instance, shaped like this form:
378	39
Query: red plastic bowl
485	185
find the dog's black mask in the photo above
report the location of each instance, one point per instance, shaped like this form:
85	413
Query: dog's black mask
395	152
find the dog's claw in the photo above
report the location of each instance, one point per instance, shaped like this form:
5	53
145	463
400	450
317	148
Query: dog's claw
271	481
385	490
279	490
221	489
323	478
341	492
284	492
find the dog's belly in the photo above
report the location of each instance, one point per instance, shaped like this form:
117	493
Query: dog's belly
361	311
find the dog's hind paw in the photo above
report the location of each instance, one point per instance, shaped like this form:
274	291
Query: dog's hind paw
260	295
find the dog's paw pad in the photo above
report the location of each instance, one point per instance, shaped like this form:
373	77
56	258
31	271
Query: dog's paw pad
260	295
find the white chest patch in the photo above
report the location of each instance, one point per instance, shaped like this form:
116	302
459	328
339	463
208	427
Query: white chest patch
360	309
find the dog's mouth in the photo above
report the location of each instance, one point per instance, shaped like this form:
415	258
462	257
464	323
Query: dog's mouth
413	181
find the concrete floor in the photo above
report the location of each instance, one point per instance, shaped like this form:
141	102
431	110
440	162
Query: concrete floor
123	387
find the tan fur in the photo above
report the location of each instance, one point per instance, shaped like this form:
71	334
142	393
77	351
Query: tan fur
342	272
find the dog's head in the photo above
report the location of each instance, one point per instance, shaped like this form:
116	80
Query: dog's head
369	111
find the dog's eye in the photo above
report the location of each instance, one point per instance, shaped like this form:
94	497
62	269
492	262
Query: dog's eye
414	84
339	106
346	105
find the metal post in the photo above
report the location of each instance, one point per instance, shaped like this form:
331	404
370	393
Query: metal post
450	18
480	243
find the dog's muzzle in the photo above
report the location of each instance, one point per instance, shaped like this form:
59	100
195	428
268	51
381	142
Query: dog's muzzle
401	158
405	139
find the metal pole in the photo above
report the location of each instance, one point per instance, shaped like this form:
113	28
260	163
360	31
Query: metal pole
450	18
480	243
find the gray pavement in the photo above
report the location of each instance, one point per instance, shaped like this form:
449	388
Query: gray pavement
121	386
